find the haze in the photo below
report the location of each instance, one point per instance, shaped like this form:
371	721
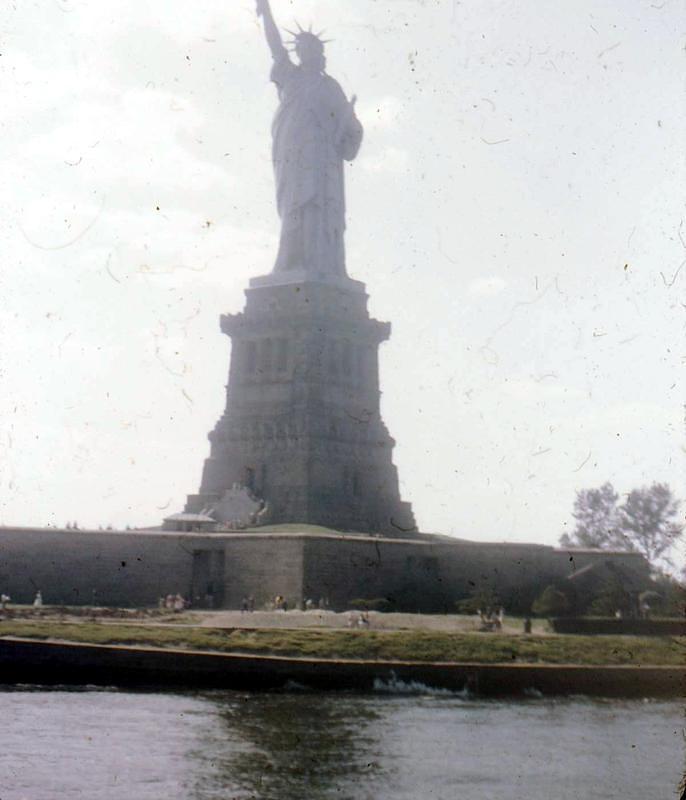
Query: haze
516	212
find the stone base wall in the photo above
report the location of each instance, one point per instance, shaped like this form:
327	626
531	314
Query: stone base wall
263	567
83	568
432	575
426	574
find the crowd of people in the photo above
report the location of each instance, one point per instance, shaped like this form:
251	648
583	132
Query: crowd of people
173	602
491	618
279	603
322	605
5	600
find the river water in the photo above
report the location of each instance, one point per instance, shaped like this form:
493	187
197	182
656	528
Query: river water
391	745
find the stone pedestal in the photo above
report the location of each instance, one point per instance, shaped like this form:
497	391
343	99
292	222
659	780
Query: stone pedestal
302	427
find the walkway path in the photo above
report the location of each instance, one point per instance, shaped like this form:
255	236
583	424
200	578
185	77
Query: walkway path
445	623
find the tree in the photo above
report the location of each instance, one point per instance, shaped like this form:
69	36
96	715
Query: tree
597	522
648	519
551	603
645	523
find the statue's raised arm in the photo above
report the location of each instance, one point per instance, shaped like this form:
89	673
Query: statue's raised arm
271	31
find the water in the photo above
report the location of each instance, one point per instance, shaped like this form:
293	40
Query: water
391	745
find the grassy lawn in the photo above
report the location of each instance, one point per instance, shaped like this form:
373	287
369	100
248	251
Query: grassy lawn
384	645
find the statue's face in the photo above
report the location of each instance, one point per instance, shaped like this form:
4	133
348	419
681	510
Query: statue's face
311	56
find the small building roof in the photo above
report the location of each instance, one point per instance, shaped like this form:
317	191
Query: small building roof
601	570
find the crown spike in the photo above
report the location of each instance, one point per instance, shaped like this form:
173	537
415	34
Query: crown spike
300	27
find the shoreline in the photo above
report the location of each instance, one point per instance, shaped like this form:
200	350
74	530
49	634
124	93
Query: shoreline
41	662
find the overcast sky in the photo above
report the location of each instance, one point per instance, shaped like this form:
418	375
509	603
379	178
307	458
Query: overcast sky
516	211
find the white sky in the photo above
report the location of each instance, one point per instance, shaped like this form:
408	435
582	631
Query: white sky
515	212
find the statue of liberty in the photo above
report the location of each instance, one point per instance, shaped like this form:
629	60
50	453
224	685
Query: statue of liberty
315	129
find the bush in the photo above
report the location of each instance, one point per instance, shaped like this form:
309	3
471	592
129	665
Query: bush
382	604
550	603
611	599
667	600
483	599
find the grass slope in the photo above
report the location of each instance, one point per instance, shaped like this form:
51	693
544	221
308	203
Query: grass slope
382	645
290	527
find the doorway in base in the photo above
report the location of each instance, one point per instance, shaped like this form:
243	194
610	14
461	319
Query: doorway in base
207	582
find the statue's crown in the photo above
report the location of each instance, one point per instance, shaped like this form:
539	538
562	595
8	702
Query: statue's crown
306	41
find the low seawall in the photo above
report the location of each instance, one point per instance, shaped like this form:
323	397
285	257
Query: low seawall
51	663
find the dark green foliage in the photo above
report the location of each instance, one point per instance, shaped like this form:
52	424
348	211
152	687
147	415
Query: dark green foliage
518	601
482	599
612	598
551	603
667	599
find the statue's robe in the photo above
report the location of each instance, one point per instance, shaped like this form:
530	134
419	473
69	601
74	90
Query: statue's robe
314	131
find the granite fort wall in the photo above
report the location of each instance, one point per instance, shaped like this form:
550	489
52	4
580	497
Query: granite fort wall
432	575
344	569
84	567
424	576
515	572
262	566
78	567
136	568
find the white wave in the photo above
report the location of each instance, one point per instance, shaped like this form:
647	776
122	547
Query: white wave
58	687
294	686
396	686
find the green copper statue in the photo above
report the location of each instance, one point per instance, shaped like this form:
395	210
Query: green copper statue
315	129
